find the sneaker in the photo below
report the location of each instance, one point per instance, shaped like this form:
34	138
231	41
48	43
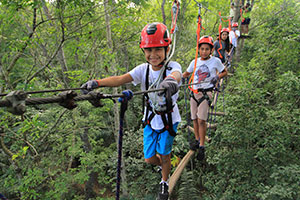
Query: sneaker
194	145
163	193
201	153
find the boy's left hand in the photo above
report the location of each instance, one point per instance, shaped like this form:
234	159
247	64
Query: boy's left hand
214	80
128	94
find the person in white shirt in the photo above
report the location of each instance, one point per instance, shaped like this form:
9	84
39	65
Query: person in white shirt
161	116
205	74
234	34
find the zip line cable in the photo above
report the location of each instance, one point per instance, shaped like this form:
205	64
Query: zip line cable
56	99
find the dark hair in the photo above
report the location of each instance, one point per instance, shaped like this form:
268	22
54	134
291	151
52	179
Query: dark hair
227	42
211	46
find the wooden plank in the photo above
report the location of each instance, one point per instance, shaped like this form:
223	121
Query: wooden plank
245	36
206	138
217	113
177	173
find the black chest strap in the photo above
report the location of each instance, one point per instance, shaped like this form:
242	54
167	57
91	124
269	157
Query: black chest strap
168	123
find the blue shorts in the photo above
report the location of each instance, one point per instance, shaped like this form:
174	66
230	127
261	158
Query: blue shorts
154	141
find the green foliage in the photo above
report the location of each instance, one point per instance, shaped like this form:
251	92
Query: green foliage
254	153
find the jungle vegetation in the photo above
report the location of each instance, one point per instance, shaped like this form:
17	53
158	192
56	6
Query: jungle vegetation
51	152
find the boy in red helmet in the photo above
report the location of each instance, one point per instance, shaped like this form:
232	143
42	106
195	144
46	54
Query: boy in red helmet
205	76
160	120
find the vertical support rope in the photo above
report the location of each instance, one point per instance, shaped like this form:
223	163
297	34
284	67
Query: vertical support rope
123	109
186	110
199	27
220	43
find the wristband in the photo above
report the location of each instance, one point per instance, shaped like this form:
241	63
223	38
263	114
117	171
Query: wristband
98	81
172	76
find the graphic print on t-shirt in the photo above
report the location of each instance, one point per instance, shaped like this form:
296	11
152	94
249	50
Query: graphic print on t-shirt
202	73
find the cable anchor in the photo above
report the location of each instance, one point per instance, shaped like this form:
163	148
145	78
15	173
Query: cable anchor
16	99
67	99
96	99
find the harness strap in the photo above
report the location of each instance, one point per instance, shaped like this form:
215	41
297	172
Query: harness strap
204	97
168	123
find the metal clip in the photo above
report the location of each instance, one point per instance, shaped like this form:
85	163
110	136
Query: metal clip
96	100
67	99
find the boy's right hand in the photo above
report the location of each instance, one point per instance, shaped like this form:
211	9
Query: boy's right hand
89	86
170	84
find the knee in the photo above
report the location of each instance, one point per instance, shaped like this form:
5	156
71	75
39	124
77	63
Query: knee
148	160
202	122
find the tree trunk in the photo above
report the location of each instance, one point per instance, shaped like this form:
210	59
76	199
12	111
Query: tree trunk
163	11
93	176
60	54
237	11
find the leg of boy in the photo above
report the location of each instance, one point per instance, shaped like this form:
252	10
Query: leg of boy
202	131
155	141
150	140
196	129
154	160
199	116
164	148
166	166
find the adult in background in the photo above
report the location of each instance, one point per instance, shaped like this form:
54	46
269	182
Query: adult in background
246	13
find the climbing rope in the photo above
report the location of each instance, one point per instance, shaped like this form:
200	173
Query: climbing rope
45	91
174	13
199	27
124	103
188	121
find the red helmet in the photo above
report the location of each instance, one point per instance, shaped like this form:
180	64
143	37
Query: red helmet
235	24
155	35
225	30
206	40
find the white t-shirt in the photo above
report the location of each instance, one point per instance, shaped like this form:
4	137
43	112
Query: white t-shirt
232	37
205	71
139	77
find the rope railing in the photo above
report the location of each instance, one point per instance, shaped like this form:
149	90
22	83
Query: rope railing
16	101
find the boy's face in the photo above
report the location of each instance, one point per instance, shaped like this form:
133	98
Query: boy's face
205	51
155	55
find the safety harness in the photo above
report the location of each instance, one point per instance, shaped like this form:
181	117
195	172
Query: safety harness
168	123
204	97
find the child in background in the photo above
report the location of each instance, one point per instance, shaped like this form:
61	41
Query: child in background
234	34
221	52
206	75
160	124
